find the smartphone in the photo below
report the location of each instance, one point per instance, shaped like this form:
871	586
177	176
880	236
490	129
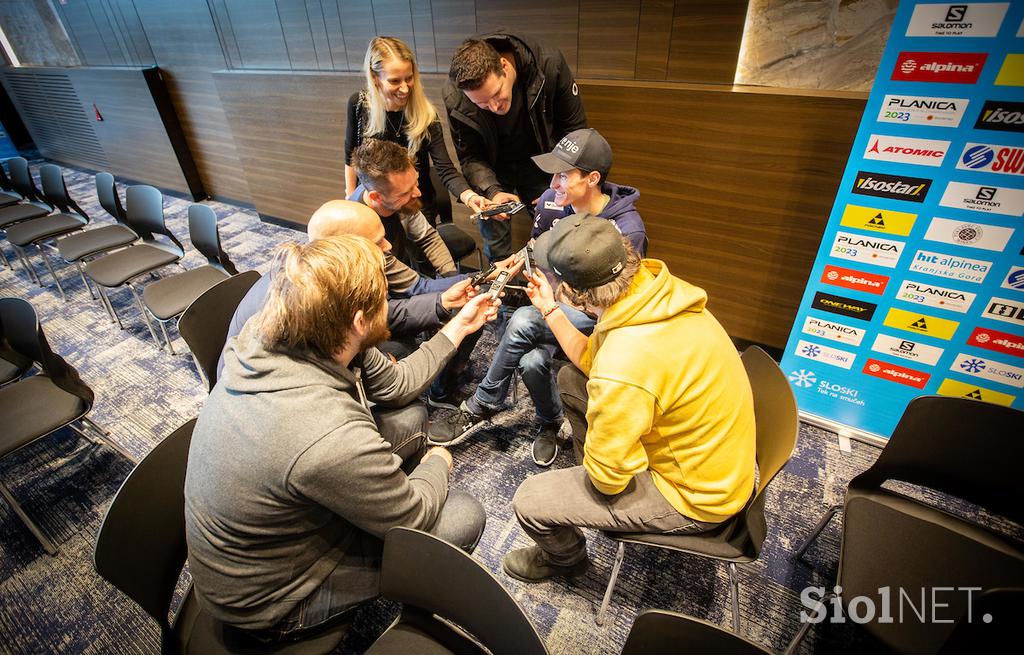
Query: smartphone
510	208
482	276
498	284
528	262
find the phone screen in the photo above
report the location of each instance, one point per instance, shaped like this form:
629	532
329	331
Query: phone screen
528	262
498	284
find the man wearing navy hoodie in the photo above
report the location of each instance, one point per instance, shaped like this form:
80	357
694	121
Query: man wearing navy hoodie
578	166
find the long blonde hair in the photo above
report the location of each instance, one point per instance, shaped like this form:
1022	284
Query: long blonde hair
419	113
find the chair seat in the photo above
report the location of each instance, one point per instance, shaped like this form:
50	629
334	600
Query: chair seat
115	269
17	213
30	232
730	541
77	246
8	371
406	638
32	408
170	296
7	199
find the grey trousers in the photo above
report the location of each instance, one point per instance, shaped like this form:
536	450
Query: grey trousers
553	506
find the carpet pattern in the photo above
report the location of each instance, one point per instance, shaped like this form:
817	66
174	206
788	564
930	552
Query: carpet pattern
60	605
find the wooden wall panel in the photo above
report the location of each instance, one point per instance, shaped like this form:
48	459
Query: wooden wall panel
706	40
423	35
608	38
654	38
259	32
556	23
454	21
357	24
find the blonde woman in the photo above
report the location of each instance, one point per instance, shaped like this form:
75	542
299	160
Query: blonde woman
393	107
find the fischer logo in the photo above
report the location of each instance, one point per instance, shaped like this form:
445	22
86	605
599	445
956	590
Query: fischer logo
922	110
1001	115
914	351
905	150
988	369
857	280
956	268
919	293
932	326
977	197
1003	309
957	20
992	158
1014	279
897	187
1001	342
895	373
974	235
878	220
948	67
833	330
869	250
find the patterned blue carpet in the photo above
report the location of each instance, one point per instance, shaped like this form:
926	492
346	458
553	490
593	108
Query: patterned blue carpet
60	605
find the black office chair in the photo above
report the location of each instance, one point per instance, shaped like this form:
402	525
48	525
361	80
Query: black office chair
657	632
992	623
204	324
166	299
32	204
8	195
445	595
76	248
963	448
13	364
141	549
41	404
739	540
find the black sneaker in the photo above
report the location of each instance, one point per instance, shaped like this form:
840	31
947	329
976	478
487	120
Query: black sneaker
532	565
441	402
545	442
454	427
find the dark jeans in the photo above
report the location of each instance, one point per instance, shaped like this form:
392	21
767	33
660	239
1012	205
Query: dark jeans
524	179
447	381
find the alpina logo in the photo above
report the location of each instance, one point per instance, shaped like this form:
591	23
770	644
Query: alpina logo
894	373
995	340
949	67
908	66
857	280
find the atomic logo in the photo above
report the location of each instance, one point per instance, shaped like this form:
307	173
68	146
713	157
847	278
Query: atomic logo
973	365
803	378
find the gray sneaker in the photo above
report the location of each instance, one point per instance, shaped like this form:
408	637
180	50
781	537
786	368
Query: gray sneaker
532	565
454	427
546	438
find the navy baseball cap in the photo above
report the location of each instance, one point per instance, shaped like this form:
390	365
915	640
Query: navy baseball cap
584	149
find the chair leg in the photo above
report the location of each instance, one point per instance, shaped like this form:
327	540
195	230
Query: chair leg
163	328
611	584
3	256
53	274
114	318
85	280
734	591
145	316
33	528
199	370
832	511
102	435
26	265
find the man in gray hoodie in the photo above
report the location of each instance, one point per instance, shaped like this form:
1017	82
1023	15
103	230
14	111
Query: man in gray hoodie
292	480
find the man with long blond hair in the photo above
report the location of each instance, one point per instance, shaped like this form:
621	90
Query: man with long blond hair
292	479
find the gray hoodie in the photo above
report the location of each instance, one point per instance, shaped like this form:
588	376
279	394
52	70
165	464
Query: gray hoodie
287	470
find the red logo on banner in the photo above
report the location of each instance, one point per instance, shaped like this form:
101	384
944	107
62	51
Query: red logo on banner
894	373
950	67
1001	342
856	280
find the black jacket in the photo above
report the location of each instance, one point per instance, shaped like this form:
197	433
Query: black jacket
553	99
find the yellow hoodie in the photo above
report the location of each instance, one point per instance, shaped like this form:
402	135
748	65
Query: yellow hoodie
669	395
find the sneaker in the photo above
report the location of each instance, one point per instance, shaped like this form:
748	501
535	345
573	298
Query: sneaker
454	427
545	442
441	402
532	565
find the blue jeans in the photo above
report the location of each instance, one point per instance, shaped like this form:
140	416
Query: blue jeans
527	343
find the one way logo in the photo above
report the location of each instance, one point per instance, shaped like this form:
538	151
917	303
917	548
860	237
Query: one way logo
905	150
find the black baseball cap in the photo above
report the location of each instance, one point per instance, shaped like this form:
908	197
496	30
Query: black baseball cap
585	149
584	250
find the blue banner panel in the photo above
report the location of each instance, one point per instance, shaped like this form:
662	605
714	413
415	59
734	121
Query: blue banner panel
918	285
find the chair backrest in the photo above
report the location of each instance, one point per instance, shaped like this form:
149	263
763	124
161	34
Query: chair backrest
21	180
110	199
657	632
55	191
204	324
5	182
431	575
8	352
141	548
962	447
202	230
144	213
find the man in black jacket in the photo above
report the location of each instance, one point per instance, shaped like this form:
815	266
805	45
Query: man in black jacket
508	98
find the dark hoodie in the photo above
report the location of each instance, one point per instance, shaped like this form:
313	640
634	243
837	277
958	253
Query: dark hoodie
621	210
552	101
287	472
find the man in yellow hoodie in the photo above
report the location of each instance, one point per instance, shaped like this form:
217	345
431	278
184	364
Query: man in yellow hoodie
658	400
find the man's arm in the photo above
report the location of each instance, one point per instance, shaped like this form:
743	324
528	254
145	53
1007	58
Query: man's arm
568	106
429	241
394	384
472	153
618	415
416	314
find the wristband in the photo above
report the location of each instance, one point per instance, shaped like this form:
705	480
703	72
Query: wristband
548	313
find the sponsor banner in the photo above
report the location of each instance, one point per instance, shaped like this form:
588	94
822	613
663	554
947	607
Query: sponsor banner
1001	115
951	266
867	249
958	389
856	280
975	19
843	306
896	373
922	110
897	187
878	220
834	330
1000	342
931	326
1003	309
806	379
982	198
930	295
1012	72
825	354
992	158
913	351
905	150
988	369
1014	279
972	235
940	67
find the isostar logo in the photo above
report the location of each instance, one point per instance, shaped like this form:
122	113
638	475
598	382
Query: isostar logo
972	235
878	220
826	302
956	268
958	389
947	67
1012	72
1001	115
856	280
905	150
1000	342
1014	279
867	249
957	20
992	158
825	354
913	351
897	187
895	373
931	326
919	293
922	110
988	369
833	330
1003	309
983	198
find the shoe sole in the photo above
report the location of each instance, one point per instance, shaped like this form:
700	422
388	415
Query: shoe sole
549	462
437	404
459	439
573	573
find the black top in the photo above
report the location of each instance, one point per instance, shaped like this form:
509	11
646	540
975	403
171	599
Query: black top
516	138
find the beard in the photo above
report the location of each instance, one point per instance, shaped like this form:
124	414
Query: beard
378	331
411	207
